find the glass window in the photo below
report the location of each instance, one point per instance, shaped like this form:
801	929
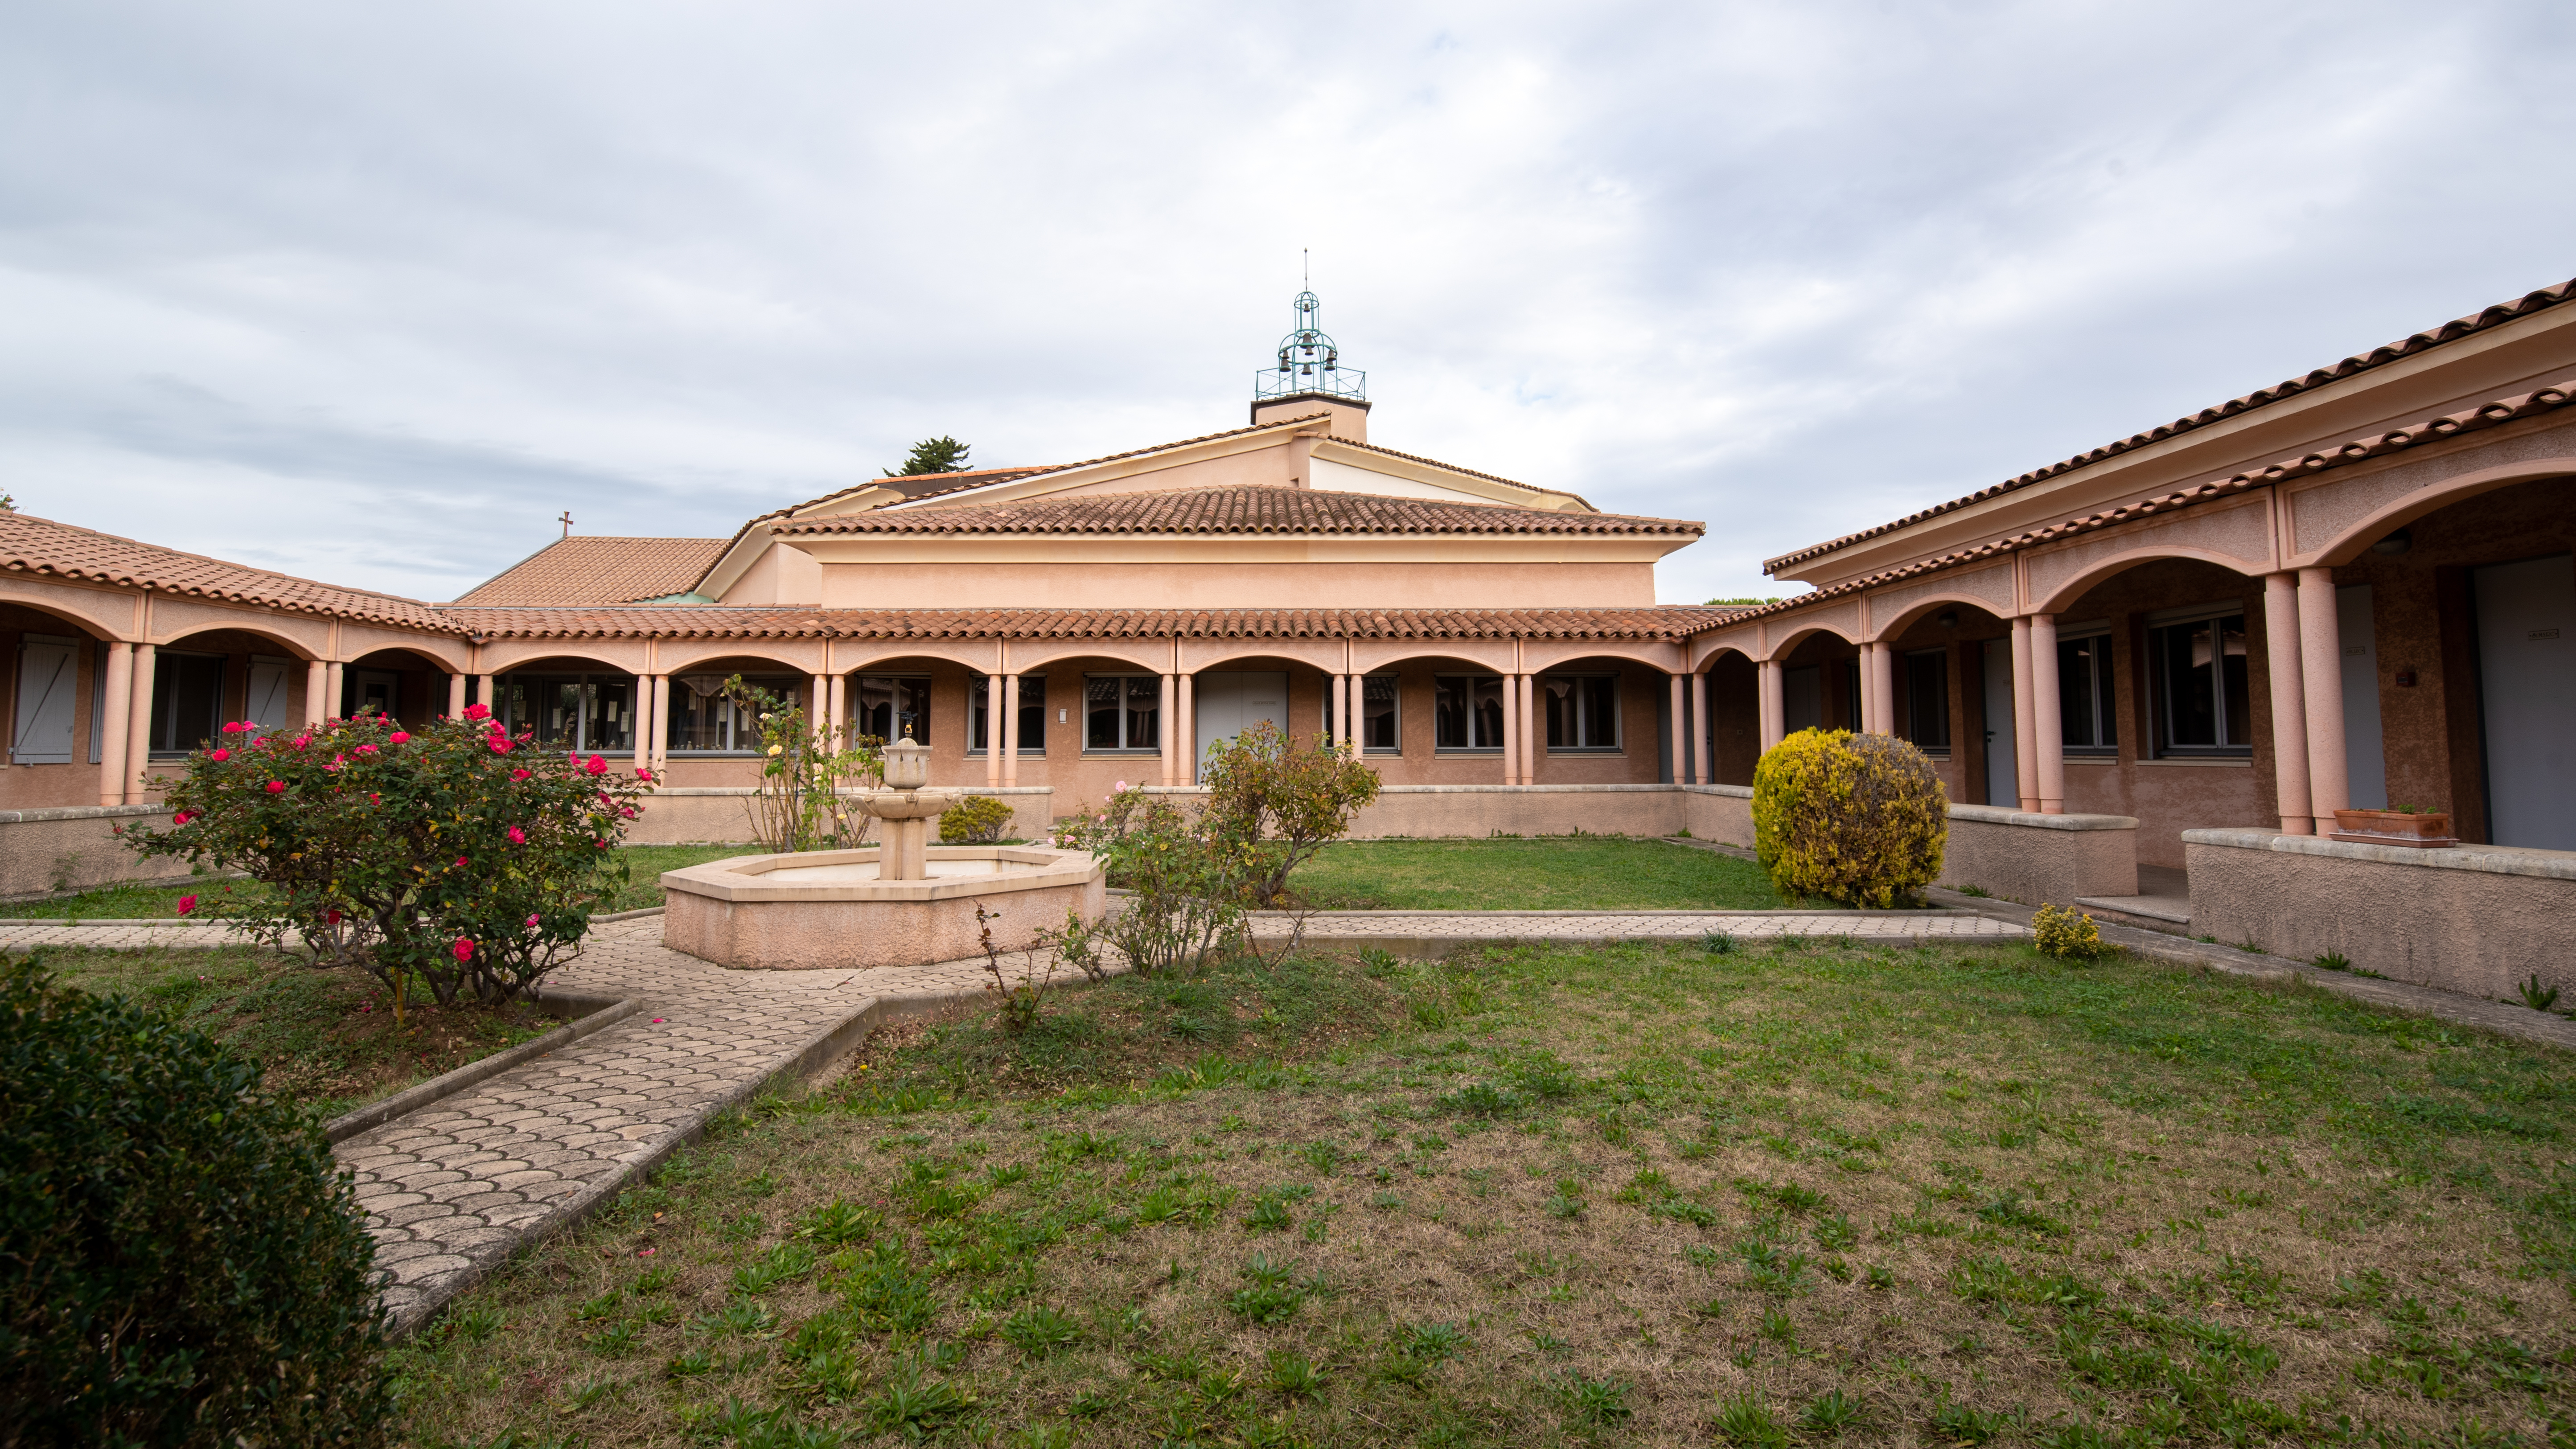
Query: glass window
2087	698
979	702
1122	712
2202	706
1378	723
1467	713
1851	695
1582	711
574	711
187	699
891	707
704	722
1927	700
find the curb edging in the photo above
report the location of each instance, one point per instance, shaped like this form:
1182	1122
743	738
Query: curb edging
601	1013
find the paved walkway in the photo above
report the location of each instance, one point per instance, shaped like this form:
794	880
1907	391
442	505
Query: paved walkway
1439	932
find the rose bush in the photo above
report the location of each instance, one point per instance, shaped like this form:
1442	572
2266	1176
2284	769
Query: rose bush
457	855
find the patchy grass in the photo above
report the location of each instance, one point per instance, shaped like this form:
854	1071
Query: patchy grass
645	864
324	1038
1608	873
1630	1195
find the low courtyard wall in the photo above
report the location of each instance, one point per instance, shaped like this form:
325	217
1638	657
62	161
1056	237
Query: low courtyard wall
683	815
2031	858
2477	919
48	852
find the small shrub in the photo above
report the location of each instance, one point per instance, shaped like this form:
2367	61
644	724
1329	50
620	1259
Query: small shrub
2068	935
975	820
180	1260
1855	818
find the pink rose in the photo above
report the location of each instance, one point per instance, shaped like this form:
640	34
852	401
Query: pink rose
518	836
183	817
366	749
597	766
644	775
1122	786
303	741
532	923
398	737
521	774
277	787
460	862
499	745
219	756
187	904
464	949
627	810
478	711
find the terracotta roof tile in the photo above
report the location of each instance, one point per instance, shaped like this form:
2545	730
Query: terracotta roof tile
2351	451
31	545
2451	331
1239	510
1668	621
599	570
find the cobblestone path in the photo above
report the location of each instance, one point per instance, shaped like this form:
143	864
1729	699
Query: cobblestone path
1441	931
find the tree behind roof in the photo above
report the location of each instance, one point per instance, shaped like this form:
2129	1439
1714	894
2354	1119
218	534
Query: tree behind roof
933	455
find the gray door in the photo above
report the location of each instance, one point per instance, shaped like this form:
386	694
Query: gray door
47	671
2527	685
2003	775
2365	770
267	703
1227	703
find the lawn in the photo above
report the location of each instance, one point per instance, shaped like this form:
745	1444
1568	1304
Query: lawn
1646	1195
1583	873
323	1038
644	864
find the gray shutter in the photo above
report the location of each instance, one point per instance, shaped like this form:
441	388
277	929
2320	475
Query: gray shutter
47	676
267	696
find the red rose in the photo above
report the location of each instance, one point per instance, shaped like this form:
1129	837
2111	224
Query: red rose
499	745
464	949
398	737
597	766
219	756
521	774
518	836
478	711
277	787
187	904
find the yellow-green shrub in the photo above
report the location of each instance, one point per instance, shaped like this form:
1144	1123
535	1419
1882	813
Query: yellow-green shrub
2067	934
975	820
1854	818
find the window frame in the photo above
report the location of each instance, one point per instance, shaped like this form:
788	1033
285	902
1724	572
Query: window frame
1126	696
979	692
2160	689
586	680
895	711
801	685
1468	687
165	703
1394	714
2104	692
1549	714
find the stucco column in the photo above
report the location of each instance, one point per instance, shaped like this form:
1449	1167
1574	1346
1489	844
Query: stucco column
2281	650
1356	717
1868	673
2025	719
455	695
1531	749
1010	684
1699	742
1511	729
138	729
317	688
992	737
1338	722
657	727
839	707
1679	732
1185	736
332	689
483	695
1884	667
115	713
1775	705
1164	715
2047	716
2321	679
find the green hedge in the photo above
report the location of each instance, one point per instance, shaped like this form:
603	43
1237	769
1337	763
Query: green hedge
181	1262
1860	819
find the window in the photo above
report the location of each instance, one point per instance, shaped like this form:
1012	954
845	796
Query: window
1378	732
187	700
1582	711
1927	700
891	707
1468	712
1851	695
704	722
2087	696
2197	667
572	711
1033	720
1122	712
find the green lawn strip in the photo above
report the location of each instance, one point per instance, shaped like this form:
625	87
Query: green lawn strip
1569	874
1640	1194
323	1038
645	865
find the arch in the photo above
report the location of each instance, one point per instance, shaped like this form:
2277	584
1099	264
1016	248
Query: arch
976	656
560	661
621	656
1539	656
69	605
1259	655
1893	627
285	644
1150	656
1787	644
445	653
2077	585
1706	654
695	659
2396	508
1496	659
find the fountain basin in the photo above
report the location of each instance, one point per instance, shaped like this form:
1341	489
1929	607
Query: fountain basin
827	909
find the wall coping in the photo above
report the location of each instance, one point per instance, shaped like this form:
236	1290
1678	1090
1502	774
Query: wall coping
2485	859
79	812
744	792
2033	820
1739	791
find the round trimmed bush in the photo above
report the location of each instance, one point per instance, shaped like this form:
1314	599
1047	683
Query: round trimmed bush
181	1262
1859	819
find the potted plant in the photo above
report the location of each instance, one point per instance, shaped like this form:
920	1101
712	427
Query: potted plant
2408	825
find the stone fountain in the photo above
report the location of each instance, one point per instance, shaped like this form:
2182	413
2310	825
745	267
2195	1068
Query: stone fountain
903	903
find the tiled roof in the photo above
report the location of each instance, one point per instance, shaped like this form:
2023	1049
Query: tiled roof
1668	621
40	546
599	570
1239	510
1454	468
2451	331
2354	450
1274	423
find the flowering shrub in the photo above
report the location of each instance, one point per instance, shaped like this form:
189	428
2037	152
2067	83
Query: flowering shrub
2067	934
458	855
1855	818
803	770
1285	802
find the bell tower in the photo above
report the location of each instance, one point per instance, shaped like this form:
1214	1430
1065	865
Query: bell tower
1309	378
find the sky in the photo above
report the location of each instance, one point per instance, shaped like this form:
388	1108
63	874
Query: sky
372	294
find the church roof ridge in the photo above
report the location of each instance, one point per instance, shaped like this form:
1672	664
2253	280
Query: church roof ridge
1243	508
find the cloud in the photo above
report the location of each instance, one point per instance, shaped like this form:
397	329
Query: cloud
376	294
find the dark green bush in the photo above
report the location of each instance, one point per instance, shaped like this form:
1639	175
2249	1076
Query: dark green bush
181	1262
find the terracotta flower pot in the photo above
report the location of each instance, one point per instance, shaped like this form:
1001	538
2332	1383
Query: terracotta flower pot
2394	827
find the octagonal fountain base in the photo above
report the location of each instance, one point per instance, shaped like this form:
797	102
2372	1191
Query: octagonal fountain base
826	909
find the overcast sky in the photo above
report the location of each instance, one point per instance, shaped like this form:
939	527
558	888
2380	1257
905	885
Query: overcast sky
372	293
